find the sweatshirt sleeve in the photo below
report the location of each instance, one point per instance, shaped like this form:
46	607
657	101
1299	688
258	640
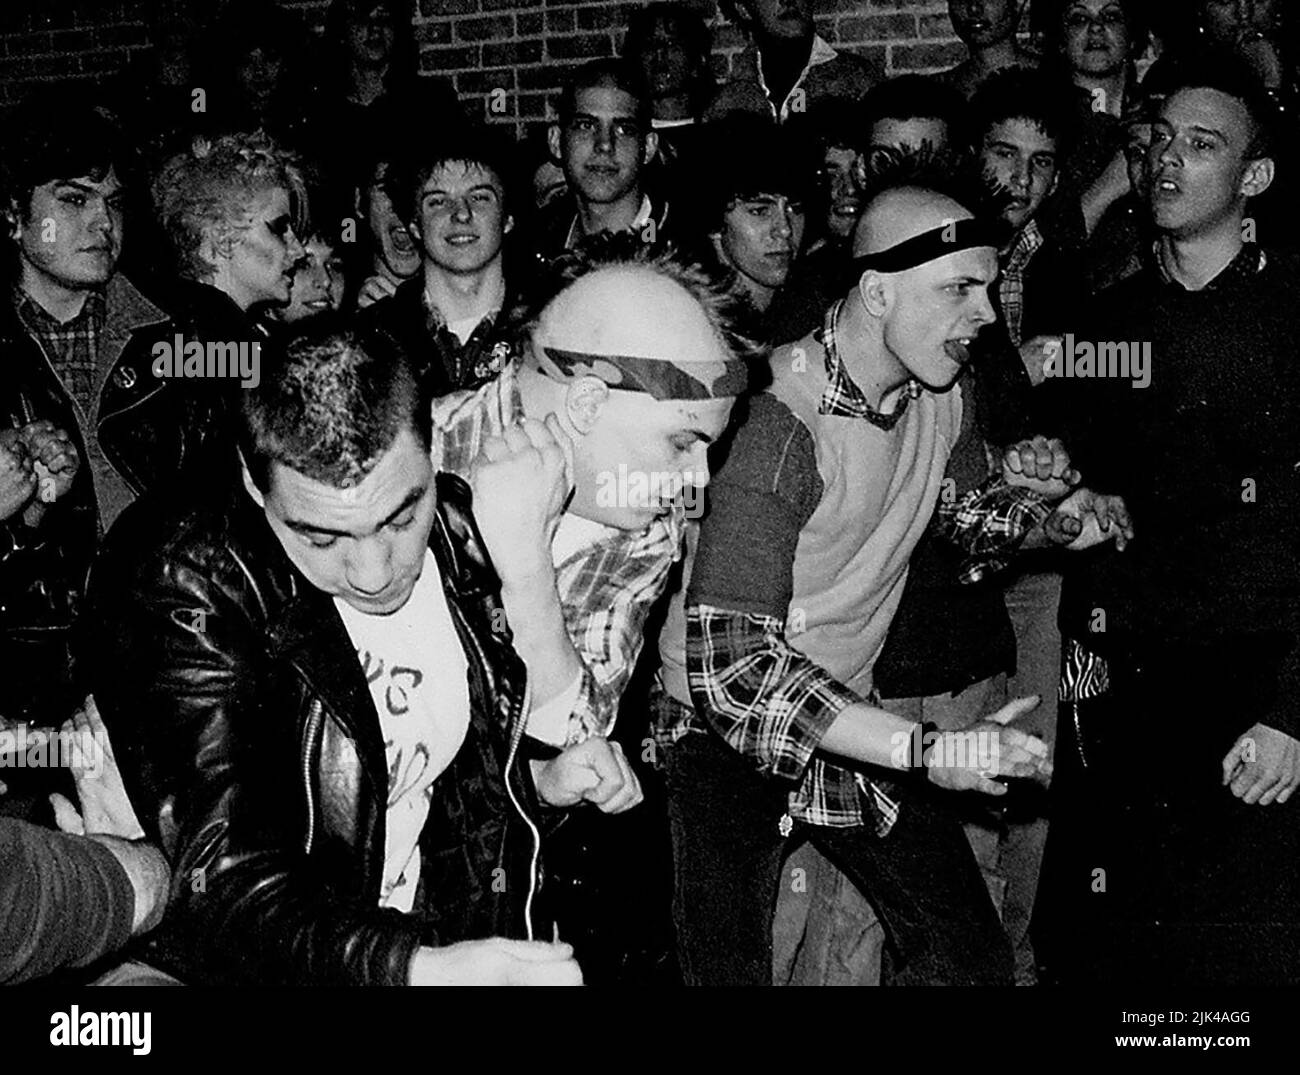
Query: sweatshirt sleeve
64	901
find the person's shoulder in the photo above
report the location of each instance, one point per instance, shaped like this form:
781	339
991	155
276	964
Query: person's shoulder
769	440
187	539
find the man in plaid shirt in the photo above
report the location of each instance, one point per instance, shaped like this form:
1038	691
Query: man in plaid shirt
827	487
627	377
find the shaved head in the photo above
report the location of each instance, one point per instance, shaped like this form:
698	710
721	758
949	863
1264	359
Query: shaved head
633	326
903	213
631	310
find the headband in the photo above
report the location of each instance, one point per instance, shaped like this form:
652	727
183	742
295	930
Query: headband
930	246
661	378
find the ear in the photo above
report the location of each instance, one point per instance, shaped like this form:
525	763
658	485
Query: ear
651	147
716	238
1258	177
258	497
510	225
553	142
583	402
877	296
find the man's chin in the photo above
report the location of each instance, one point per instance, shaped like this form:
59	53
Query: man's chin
383	606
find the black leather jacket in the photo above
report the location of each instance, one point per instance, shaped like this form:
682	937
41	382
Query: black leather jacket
251	749
150	432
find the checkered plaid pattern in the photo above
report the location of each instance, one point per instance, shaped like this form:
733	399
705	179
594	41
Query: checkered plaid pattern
72	346
606	590
1011	285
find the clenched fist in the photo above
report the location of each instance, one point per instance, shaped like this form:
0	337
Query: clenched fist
522	481
1041	464
54	458
596	771
17	477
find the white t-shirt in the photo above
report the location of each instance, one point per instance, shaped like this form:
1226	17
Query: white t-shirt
417	672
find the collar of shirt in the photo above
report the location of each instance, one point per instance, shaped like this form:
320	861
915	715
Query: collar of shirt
38	319
842	397
1250	261
821	52
1023	247
639	221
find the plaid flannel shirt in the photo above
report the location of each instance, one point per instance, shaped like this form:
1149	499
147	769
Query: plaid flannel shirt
606	590
1011	285
71	346
773	704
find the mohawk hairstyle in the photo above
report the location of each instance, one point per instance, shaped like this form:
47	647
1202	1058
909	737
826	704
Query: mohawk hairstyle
722	307
330	405
954	175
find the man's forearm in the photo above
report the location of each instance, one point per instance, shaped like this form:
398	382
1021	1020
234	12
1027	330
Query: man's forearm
540	636
149	874
864	733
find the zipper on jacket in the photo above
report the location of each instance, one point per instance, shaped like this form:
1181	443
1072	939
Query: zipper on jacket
310	738
515	739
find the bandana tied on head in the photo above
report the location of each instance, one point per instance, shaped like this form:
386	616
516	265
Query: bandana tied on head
930	245
661	378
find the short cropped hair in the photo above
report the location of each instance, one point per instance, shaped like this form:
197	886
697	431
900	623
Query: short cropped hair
205	192
1023	94
466	144
330	404
1218	69
56	135
619	74
722	308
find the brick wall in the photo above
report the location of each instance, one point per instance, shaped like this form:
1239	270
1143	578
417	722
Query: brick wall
523	47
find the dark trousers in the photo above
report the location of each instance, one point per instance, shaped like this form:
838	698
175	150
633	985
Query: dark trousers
1159	873
922	879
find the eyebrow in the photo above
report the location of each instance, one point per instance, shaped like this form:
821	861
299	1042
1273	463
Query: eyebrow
472	190
86	188
301	527
1213	132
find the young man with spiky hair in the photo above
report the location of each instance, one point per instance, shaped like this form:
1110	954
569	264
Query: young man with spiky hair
454	316
771	727
315	705
1190	643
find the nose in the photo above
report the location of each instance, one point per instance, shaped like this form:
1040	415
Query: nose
368	568
101	220
698	475
461	211
783	225
293	245
983	313
604	138
1020	175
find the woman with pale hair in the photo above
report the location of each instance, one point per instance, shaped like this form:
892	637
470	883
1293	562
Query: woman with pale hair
232	210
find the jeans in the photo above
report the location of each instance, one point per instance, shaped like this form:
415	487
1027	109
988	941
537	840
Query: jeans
727	854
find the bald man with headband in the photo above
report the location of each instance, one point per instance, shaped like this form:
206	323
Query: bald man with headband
770	723
586	456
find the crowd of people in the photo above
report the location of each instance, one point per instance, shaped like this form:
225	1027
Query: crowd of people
810	528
